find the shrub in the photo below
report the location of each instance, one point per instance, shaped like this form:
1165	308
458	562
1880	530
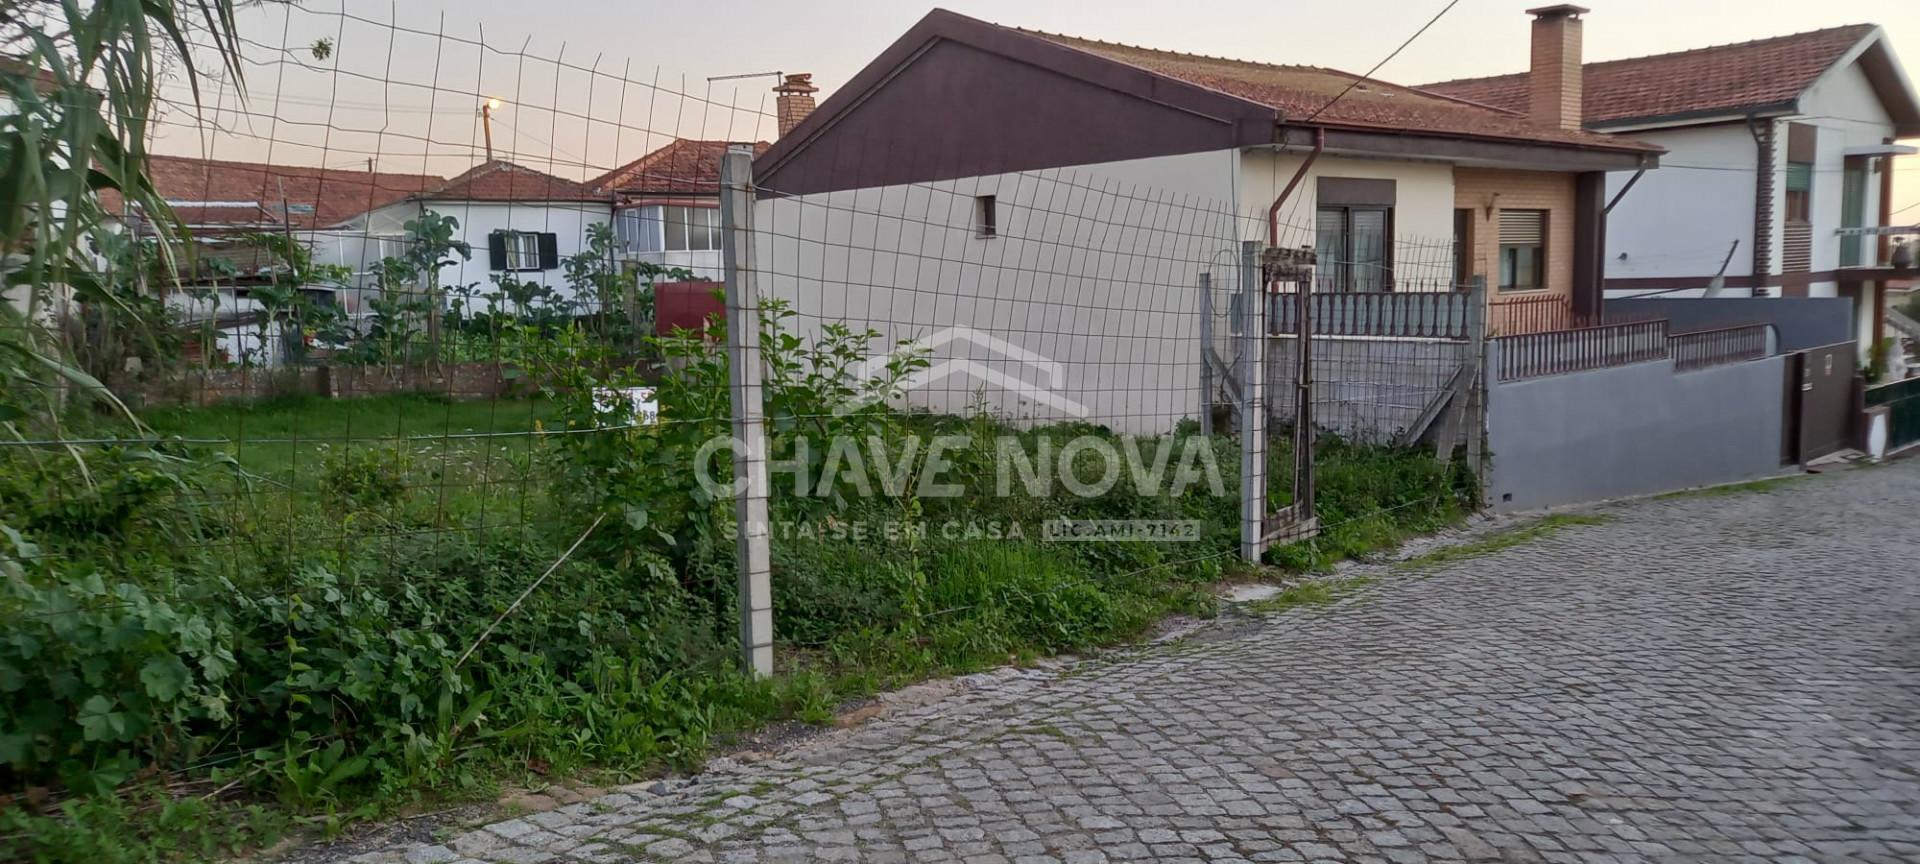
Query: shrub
365	478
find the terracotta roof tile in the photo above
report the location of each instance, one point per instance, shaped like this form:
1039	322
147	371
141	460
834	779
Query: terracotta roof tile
1721	78
243	194
683	167
1300	91
500	180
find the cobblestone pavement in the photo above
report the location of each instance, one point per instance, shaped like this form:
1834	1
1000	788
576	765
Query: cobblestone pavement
1716	678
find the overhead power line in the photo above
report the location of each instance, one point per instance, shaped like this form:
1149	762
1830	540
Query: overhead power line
1376	67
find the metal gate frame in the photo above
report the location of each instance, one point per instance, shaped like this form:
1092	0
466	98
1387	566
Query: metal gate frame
1263	271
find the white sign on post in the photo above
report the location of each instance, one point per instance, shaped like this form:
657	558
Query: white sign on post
611	401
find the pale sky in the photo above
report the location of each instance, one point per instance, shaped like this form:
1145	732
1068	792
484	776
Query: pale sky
407	97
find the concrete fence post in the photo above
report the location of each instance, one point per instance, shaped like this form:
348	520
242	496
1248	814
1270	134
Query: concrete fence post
749	424
1253	405
1477	393
1206	354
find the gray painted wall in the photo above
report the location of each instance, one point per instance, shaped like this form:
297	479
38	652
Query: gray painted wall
1801	322
1632	430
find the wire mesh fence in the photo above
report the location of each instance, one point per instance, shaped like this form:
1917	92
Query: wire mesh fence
435	412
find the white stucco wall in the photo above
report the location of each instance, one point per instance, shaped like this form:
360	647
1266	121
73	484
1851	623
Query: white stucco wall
1087	295
1843	107
1680	218
361	245
704	264
1423	193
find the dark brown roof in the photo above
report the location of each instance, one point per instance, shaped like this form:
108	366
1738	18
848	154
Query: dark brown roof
500	180
683	167
1765	74
230	194
1299	92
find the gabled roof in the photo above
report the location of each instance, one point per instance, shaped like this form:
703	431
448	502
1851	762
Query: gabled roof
684	166
236	195
503	181
1299	92
1764	76
955	97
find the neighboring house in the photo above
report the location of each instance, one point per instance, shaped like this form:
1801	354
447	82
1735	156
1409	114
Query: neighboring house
522	223
1401	191
224	204
222	201
667	206
1773	146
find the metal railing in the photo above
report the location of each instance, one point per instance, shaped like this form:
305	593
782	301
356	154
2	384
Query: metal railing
1514	316
1401	314
1532	355
1902	399
1701	349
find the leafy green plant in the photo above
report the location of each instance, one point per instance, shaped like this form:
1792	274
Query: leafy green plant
411	301
368	478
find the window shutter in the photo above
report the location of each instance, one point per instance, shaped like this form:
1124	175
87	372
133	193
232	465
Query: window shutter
549	251
1522	227
496	251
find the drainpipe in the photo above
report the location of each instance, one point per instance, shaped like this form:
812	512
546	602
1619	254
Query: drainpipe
1763	143
1273	213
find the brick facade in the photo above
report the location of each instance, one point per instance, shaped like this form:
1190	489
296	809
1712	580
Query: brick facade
1475	189
1554	85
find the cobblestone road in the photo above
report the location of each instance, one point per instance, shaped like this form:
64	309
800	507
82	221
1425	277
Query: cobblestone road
1716	678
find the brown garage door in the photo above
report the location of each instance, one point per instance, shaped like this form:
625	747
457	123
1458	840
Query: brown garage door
1820	395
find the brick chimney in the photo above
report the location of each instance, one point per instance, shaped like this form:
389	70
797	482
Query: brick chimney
1553	84
795	101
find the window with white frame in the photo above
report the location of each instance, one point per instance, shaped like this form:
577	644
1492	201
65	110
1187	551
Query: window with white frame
523	250
691	229
671	228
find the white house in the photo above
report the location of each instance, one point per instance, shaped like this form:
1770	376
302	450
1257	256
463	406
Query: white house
1061	198
667	206
225	204
521	223
1773	145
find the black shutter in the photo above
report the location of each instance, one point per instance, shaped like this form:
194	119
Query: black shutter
496	251
549	251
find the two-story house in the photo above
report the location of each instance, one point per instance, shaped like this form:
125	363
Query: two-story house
666	206
1776	148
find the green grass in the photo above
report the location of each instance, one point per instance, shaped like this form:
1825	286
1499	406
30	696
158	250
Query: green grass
279	437
1761	486
437	522
1507	539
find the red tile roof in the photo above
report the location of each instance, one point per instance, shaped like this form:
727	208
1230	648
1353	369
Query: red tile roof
44	81
500	180
1302	91
1720	79
683	167
249	194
